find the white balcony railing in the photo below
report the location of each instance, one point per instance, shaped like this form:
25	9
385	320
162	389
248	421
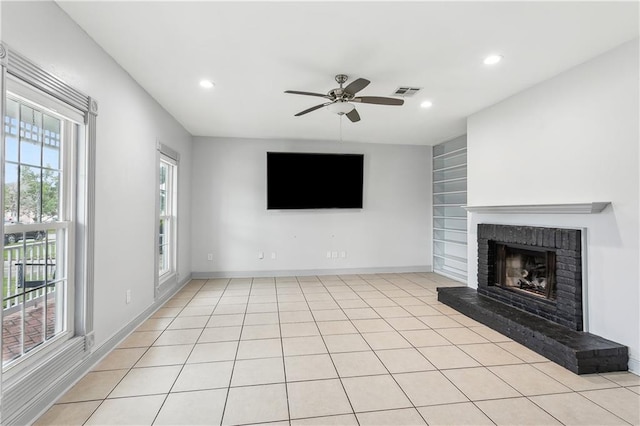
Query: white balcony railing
28	267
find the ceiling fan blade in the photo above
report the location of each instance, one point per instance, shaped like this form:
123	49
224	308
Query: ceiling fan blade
379	100
353	116
296	92
313	108
356	85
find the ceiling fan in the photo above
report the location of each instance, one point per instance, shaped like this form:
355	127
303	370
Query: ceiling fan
340	99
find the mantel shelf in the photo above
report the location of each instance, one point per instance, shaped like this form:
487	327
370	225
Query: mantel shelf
572	208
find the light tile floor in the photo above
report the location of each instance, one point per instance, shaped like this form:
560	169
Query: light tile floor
333	350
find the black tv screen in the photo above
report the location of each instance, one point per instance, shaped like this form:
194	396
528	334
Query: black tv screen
314	181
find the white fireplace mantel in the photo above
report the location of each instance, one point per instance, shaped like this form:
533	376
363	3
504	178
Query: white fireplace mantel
571	208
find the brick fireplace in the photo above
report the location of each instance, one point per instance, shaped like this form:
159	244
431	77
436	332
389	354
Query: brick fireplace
538	270
530	289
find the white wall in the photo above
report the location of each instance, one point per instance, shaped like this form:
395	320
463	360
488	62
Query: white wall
129	122
230	220
573	138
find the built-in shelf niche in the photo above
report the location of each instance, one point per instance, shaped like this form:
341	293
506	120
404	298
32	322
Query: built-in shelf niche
449	218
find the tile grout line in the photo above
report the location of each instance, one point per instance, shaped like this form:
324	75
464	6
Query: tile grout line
353	412
383	364
582	396
437	369
528	397
138	360
482	365
537	405
192	348
604	408
284	369
415	348
235	358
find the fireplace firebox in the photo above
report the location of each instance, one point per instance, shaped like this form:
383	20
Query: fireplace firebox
526	269
538	270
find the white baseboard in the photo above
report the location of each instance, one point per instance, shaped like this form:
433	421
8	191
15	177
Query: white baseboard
307	272
634	366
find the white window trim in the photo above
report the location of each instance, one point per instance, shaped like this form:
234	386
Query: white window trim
42	102
20	394
171	278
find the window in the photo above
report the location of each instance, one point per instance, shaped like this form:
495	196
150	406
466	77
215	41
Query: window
38	285
47	148
167	215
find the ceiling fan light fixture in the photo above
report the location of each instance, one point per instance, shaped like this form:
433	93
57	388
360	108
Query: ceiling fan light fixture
492	59
340	107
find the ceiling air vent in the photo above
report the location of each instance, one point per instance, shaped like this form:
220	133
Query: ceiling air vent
406	91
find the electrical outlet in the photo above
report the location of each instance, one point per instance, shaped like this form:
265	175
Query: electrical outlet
128	297
334	254
343	254
260	255
273	254
328	255
209	256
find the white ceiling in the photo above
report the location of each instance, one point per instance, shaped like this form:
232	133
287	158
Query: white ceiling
254	51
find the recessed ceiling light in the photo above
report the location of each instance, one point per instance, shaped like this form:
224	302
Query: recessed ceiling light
492	59
426	104
207	84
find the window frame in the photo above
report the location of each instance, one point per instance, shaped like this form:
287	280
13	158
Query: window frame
72	124
21	392
169	278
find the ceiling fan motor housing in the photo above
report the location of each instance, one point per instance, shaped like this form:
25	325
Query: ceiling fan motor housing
339	94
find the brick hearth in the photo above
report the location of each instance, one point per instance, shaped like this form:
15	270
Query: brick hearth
580	352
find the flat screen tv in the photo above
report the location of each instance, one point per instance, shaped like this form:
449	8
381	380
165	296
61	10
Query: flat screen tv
314	181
